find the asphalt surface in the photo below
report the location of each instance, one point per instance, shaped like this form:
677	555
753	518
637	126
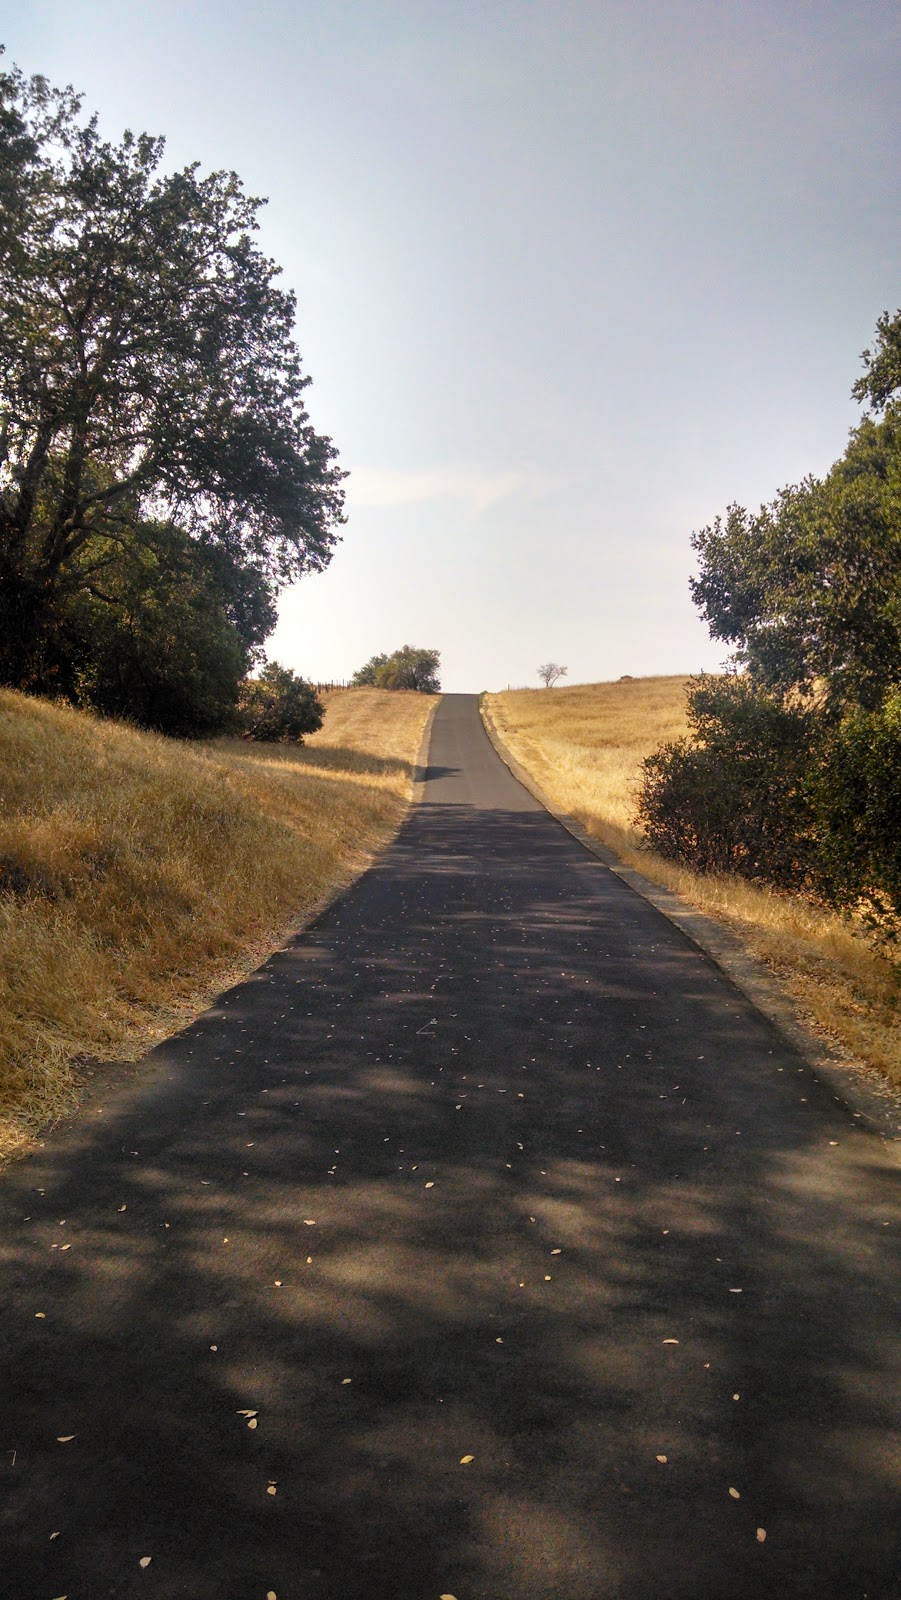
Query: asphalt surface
491	1228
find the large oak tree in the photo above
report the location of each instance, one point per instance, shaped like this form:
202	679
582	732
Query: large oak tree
148	374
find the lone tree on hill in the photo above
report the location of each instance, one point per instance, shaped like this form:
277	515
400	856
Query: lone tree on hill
407	668
550	673
150	387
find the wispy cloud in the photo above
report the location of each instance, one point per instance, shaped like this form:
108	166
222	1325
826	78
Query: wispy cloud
382	486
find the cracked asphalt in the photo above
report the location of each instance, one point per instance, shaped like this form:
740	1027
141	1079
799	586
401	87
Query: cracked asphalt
487	1243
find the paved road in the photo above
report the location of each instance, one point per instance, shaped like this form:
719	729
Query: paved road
488	1164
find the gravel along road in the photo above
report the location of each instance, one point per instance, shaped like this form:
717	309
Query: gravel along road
487	1243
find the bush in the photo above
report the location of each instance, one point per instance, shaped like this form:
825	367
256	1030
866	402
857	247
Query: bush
158	646
736	797
279	707
858	806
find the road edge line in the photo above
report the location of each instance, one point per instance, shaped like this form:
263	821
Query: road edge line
858	1086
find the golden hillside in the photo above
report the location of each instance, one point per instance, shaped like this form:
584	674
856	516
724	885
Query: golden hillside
139	874
583	746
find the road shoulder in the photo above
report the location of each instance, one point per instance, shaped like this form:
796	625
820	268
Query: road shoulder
863	1090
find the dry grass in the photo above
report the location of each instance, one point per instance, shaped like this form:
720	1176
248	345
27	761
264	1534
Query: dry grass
583	746
139	875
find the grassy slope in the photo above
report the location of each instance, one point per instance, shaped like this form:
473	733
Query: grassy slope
138	874
584	746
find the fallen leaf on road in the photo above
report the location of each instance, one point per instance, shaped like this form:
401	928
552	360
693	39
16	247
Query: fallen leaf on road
145	1561
670	1341
555	1252
663	1459
54	1535
246	1413
347	1380
761	1535
64	1438
735	1494
430	1185
41	1315
309	1222
252	1423
465	1460
273	1487
123	1208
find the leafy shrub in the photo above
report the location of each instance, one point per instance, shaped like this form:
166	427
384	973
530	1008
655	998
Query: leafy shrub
858	808
279	707
163	637
735	798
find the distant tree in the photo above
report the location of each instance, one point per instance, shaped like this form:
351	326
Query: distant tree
147	372
550	673
407	668
366	677
279	707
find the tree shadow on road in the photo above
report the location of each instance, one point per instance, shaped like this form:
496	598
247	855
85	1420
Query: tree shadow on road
533	1187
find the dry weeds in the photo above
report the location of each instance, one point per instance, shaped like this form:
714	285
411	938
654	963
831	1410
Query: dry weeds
584	745
140	875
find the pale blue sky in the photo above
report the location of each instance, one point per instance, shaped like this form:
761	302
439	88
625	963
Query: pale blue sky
571	277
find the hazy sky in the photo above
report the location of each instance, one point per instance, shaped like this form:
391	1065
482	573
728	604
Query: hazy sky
571	277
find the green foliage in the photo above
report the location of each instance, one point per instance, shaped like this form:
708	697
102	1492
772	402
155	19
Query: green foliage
857	796
367	675
147	372
160	633
734	798
809	589
407	668
882	378
279	707
792	774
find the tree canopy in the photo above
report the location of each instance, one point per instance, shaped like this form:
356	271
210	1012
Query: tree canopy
808	589
148	379
408	668
792	773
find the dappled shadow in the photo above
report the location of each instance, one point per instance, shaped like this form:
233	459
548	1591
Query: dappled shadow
489	1163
